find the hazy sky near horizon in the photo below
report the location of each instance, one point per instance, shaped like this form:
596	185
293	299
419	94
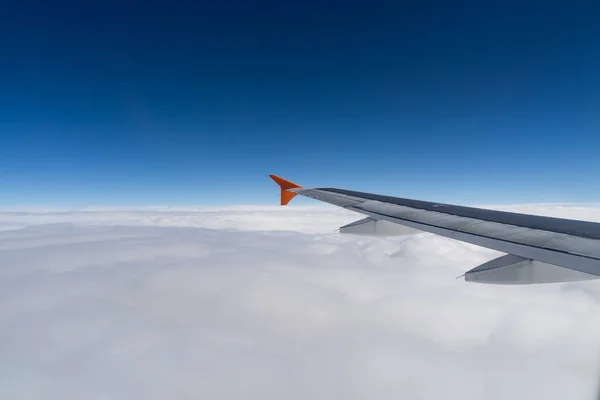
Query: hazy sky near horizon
197	102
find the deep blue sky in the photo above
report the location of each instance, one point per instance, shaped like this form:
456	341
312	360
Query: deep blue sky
117	102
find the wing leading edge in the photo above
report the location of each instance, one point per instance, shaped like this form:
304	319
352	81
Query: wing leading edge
539	249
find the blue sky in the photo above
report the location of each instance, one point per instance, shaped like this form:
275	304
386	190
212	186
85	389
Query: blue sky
196	103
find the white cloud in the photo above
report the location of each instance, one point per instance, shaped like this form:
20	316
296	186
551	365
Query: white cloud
255	303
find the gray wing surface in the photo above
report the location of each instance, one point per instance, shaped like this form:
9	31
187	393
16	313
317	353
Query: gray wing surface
539	249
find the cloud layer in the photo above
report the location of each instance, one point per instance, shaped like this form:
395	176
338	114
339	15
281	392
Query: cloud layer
254	303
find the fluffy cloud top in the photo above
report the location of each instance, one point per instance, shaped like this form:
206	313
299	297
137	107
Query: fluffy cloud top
270	303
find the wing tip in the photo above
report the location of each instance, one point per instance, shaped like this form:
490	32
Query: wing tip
284	184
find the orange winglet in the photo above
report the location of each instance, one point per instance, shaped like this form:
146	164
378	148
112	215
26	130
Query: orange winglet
285	185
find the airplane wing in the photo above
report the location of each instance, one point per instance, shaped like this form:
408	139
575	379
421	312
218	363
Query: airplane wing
539	249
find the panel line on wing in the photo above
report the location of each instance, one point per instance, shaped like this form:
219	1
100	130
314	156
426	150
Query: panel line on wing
584	229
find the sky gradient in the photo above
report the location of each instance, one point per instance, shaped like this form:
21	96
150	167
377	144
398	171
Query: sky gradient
176	103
